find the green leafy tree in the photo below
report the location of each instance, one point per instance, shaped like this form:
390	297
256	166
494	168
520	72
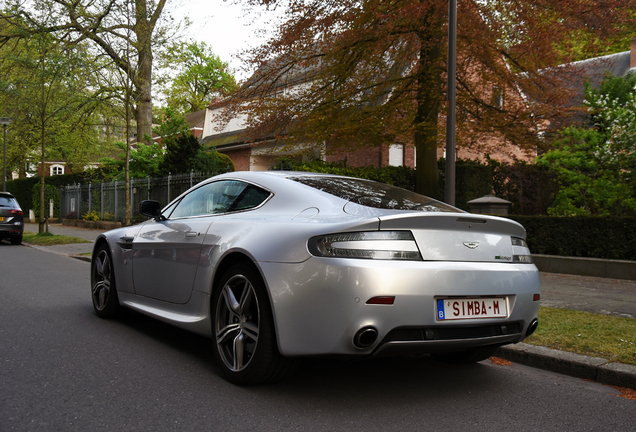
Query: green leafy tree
596	166
200	76
183	152
180	154
49	86
126	32
171	126
212	162
588	183
144	161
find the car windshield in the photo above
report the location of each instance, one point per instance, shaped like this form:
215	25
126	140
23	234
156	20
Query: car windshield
374	194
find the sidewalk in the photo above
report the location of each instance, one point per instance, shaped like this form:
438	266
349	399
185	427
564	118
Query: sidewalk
78	250
615	297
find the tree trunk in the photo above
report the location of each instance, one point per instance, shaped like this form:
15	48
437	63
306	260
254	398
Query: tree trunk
428	97
143	75
42	168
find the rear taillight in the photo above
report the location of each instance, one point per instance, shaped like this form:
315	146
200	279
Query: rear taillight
16	212
379	245
521	253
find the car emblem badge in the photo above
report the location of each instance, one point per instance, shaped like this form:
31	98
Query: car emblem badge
471	245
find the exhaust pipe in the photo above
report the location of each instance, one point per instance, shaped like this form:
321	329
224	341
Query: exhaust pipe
365	337
532	327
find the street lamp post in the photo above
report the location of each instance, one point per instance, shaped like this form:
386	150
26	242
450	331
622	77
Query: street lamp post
5	121
450	120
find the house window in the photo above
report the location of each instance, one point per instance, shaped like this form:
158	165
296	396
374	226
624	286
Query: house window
396	155
57	170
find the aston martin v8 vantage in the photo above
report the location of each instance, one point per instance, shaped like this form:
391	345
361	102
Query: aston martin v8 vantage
275	266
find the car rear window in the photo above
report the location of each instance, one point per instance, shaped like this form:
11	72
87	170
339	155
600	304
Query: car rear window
374	194
7	201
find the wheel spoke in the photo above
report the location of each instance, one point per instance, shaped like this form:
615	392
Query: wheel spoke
100	294
226	333
103	265
239	350
251	331
230	304
230	300
103	295
246	297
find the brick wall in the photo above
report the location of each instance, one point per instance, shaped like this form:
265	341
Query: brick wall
240	157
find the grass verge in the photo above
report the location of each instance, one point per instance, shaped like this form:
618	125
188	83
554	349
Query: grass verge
609	337
48	239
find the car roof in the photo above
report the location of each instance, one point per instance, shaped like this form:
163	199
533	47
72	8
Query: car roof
7	194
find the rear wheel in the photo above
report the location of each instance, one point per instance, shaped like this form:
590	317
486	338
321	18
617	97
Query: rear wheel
245	342
103	290
471	355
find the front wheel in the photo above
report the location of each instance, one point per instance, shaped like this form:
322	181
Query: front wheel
243	328
103	290
471	355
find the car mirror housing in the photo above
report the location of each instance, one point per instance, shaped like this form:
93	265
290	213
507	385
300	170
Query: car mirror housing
151	209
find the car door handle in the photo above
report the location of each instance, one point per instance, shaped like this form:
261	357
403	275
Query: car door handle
191	234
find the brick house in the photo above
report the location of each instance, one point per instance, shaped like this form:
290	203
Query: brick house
262	155
52	168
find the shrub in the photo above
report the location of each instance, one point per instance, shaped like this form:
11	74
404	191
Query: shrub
92	216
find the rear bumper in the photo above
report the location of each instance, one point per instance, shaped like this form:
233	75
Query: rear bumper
10	230
320	305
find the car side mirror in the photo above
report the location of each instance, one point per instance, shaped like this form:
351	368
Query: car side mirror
151	209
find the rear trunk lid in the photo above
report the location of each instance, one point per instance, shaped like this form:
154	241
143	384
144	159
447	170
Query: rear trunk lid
460	237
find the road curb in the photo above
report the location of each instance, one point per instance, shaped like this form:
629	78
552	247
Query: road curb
50	250
576	365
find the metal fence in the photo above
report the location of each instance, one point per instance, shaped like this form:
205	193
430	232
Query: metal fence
108	199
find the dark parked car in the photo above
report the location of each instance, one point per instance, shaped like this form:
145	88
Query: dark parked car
11	219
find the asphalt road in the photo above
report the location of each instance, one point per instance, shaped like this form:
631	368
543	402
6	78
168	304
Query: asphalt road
64	369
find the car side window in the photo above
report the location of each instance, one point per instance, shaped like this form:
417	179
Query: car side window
220	197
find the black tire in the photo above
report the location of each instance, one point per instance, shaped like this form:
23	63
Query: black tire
16	240
243	329
103	289
471	355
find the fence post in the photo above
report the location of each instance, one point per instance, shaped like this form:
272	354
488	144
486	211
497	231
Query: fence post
191	174
130	192
90	201
148	191
61	205
101	199
115	199
168	187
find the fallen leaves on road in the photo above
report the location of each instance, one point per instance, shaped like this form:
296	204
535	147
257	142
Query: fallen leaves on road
627	393
500	361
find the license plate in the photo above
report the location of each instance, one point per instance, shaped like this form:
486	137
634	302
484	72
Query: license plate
1	219
471	308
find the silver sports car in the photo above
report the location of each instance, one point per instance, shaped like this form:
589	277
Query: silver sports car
275	266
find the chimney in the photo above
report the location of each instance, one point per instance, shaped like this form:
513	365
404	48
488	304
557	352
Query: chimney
632	58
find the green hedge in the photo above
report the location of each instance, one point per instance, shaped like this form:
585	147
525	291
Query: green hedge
591	237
